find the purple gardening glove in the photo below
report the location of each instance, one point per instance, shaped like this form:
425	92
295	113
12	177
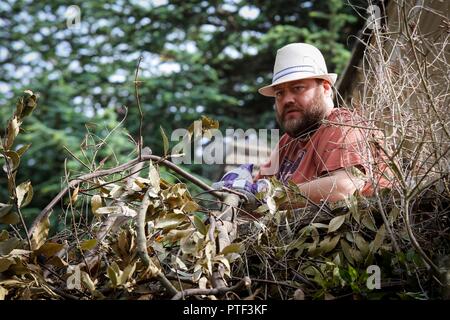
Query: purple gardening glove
241	179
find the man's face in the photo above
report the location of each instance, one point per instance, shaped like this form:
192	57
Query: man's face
300	106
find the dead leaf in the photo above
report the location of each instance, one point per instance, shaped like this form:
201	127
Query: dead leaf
10	218
24	193
74	196
170	221
40	234
87	281
96	203
165	141
5	263
3	293
8	245
153	176
49	249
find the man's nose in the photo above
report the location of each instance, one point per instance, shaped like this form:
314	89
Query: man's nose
288	98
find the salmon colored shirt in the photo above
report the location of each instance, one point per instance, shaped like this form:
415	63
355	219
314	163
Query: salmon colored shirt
333	146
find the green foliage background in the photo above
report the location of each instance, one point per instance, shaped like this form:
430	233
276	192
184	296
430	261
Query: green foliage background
199	57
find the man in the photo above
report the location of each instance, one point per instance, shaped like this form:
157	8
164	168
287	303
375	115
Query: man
325	150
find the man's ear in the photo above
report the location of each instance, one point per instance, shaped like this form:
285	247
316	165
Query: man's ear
327	89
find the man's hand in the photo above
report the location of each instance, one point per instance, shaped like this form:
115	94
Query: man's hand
240	179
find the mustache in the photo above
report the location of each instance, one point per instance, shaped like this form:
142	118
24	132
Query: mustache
290	108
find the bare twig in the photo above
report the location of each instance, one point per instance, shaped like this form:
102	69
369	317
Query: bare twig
244	283
141	116
142	247
101	173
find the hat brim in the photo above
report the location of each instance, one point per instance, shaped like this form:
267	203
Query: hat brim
268	91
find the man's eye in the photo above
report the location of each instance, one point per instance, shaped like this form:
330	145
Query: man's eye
278	94
298	88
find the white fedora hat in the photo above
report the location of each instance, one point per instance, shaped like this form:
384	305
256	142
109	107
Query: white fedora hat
297	61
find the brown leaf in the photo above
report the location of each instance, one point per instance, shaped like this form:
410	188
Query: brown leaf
170	221
5	263
10	218
74	196
49	249
96	203
5	208
40	234
12	132
24	193
8	245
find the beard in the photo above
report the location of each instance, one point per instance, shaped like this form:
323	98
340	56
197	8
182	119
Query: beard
310	118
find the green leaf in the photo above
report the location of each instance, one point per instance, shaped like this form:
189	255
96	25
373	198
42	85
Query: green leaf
113	276
393	215
368	222
190	207
232	248
361	244
336	223
88	244
23	149
165	140
24	193
328	244
378	241
346	249
198	223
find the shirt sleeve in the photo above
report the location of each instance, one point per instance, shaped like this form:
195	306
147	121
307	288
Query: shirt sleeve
342	147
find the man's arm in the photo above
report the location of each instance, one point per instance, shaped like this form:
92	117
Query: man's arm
336	186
